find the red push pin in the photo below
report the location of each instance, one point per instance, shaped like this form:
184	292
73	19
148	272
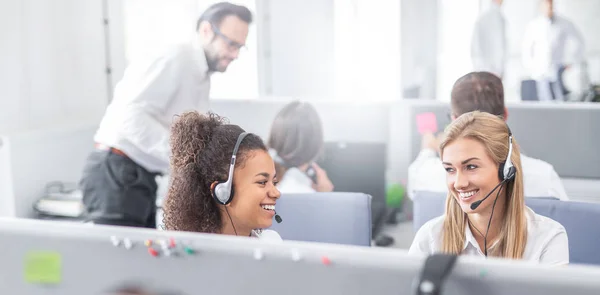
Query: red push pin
153	252
171	243
325	260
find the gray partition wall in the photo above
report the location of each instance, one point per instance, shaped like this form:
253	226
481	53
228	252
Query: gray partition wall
564	135
53	258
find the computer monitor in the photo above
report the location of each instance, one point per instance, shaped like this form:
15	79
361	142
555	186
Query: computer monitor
359	167
51	257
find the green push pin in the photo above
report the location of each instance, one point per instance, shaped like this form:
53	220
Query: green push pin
189	250
395	195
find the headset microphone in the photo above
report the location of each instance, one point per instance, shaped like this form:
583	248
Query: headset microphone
476	204
278	218
506	170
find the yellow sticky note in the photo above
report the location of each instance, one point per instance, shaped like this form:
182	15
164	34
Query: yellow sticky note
43	267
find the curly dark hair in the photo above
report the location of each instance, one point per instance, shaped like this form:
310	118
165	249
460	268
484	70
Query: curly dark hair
201	148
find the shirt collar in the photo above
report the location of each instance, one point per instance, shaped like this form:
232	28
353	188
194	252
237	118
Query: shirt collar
298	176
470	239
200	56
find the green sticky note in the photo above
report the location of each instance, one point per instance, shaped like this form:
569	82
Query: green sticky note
43	267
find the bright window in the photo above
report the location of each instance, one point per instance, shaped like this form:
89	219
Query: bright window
152	25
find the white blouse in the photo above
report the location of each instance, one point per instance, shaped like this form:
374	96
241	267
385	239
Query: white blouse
547	241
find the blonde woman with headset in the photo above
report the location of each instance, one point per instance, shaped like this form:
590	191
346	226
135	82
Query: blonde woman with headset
485	208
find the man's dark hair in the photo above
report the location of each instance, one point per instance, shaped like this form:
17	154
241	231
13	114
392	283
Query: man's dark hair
478	91
218	11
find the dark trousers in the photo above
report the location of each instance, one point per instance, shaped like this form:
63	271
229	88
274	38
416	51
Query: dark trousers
118	191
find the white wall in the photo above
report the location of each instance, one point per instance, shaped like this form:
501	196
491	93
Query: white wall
52	62
297	43
455	24
42	156
7	201
419	37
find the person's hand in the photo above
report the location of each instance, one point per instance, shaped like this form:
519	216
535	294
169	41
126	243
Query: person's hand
323	183
430	141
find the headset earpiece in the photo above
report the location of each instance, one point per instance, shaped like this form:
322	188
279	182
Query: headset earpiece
506	169
222	192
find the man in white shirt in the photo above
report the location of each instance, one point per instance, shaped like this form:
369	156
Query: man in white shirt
488	43
544	51
132	142
484	92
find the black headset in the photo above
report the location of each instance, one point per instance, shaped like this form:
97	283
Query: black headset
223	191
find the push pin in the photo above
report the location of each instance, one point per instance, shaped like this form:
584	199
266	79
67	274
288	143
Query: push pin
258	255
148	243
115	241
127	243
295	255
189	250
325	260
172	243
163	244
153	252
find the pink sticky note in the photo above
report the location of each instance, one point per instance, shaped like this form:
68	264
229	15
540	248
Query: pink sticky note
426	122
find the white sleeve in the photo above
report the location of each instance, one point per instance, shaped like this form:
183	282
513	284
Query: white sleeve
151	84
476	46
527	48
504	47
421	172
420	244
575	34
556	251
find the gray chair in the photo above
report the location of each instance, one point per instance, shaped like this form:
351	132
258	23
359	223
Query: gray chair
579	219
339	218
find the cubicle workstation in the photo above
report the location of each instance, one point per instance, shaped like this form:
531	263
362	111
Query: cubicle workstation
52	258
338	218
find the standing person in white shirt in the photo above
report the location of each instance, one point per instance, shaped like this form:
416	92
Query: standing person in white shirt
488	43
295	142
485	208
544	51
479	91
118	181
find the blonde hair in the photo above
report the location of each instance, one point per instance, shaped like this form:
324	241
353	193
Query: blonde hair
492	132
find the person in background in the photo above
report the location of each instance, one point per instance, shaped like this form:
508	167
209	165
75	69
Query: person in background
204	147
481	158
544	51
295	142
488	42
479	91
131	144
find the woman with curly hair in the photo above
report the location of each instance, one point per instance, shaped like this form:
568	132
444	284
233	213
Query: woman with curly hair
222	179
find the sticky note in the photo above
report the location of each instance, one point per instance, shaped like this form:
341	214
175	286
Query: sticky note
426	122
43	267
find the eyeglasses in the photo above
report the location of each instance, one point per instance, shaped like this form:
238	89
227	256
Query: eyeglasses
232	45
